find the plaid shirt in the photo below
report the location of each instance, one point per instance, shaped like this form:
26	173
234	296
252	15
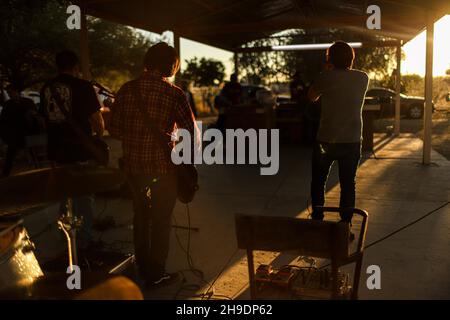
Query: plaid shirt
167	107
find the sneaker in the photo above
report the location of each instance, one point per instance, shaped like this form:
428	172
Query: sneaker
165	280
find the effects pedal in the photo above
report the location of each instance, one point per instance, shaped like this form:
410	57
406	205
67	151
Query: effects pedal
315	283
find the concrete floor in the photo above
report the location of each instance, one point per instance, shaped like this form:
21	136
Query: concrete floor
392	186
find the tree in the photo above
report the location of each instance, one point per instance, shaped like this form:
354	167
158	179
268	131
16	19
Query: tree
204	73
117	51
32	32
264	67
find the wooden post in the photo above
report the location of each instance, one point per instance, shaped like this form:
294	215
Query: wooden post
84	45
177	46
427	121
397	90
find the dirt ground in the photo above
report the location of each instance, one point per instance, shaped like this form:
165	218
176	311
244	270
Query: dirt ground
440	132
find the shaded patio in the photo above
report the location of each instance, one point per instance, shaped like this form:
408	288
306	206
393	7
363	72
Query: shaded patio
392	186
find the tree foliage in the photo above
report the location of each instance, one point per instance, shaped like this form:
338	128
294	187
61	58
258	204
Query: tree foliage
32	32
204	72
414	85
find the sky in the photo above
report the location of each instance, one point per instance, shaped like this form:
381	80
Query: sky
414	50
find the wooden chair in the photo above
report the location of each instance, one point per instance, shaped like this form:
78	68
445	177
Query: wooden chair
319	239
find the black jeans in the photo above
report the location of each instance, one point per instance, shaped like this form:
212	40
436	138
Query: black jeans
153	201
324	154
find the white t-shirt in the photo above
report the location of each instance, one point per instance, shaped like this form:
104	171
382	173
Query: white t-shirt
343	92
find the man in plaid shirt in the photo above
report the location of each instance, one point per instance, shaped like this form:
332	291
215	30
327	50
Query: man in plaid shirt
148	165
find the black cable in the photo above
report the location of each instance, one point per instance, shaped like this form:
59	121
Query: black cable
222	270
187	250
195	271
400	229
408	225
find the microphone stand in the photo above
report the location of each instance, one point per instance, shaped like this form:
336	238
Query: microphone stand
69	224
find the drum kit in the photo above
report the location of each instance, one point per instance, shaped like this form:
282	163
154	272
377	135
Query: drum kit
21	275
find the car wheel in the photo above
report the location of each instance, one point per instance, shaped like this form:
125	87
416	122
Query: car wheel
415	112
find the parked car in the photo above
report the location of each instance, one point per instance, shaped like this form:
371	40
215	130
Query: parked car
410	107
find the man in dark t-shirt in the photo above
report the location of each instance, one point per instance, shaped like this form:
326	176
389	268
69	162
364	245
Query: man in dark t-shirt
78	98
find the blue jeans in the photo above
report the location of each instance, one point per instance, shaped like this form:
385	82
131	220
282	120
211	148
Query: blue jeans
324	154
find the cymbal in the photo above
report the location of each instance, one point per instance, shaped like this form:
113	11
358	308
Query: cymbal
44	186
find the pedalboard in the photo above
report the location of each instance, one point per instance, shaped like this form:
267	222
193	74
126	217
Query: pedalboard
308	282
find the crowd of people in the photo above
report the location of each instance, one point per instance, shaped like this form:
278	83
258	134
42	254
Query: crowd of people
69	105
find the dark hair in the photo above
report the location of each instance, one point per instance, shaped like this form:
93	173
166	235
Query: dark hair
66	60
163	58
341	55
